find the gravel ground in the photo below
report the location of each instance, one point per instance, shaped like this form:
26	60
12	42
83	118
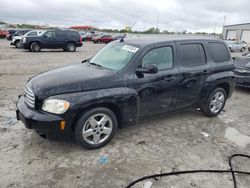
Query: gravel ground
183	141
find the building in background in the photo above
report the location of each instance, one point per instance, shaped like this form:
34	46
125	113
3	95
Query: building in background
237	32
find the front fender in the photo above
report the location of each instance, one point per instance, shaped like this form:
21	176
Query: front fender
126	99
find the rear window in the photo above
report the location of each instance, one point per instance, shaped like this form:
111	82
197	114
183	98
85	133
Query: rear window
218	52
192	54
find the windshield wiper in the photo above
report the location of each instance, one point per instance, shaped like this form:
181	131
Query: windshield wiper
95	64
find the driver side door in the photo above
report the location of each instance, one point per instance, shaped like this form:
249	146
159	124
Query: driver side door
157	91
49	39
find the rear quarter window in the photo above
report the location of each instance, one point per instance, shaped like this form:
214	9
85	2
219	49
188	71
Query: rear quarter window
218	52
73	34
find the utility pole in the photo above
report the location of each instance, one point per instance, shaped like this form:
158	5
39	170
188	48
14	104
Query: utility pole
157	23
224	21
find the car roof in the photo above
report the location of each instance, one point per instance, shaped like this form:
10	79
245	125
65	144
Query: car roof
145	41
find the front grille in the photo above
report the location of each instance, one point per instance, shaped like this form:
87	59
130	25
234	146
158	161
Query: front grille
29	97
241	72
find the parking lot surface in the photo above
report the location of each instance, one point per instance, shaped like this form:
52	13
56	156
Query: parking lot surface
182	141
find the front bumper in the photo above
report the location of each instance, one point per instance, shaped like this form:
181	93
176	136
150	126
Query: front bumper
242	81
37	120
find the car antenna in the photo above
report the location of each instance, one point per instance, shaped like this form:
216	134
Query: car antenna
122	39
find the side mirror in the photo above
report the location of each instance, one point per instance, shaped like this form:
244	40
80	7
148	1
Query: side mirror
148	69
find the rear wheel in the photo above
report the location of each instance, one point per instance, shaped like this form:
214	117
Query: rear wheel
71	47
35	47
215	102
96	128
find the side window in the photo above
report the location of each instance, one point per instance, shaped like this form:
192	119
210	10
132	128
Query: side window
162	57
60	34
218	52
32	34
192	55
50	34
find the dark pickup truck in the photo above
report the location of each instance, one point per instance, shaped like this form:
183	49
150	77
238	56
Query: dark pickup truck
126	82
67	40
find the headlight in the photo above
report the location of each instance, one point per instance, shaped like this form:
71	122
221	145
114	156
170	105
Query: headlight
55	106
24	39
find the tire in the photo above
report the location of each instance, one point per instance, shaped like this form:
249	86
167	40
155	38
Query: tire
242	49
215	102
99	41
35	47
71	47
95	136
18	44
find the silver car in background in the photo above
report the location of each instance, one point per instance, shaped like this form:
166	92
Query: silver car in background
236	45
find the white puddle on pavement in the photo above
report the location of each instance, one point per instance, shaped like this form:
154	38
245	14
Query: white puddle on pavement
234	136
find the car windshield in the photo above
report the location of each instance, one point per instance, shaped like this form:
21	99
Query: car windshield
41	33
114	56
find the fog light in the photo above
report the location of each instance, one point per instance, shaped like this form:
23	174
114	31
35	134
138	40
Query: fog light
62	125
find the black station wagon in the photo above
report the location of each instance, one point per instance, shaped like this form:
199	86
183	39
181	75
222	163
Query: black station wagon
125	82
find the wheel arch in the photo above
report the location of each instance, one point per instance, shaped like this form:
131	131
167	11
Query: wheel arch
71	42
34	41
109	105
225	86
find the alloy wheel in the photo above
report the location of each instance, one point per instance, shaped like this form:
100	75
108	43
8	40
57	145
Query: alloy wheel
217	102
97	128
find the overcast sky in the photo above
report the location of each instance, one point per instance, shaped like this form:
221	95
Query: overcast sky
174	15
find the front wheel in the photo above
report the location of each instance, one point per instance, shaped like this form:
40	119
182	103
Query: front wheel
96	128
215	102
243	49
18	44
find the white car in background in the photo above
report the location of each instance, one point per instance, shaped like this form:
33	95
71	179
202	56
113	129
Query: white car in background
16	40
236	45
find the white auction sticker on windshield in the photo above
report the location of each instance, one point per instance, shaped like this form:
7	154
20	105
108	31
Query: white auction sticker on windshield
130	48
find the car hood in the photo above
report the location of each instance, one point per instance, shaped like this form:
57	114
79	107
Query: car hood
18	37
71	78
242	62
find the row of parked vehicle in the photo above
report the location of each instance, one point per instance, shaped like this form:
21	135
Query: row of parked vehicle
99	38
68	40
237	45
35	40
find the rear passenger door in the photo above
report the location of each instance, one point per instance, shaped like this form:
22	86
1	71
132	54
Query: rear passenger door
194	69
60	39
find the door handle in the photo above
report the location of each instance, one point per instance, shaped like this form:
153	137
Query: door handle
205	72
168	79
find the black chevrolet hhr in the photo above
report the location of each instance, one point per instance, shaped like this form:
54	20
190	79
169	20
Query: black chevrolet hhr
125	82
